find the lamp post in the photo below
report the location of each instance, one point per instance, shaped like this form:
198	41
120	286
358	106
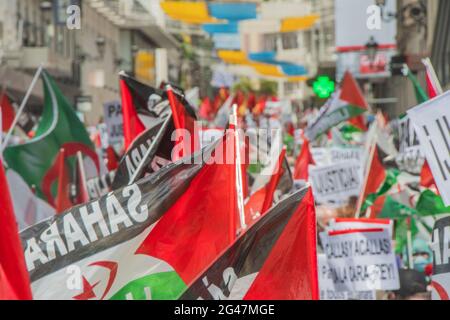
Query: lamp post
100	43
372	50
47	34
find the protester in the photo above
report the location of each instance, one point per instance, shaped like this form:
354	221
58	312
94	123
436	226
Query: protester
413	286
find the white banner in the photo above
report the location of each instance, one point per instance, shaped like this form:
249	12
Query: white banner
410	157
326	285
432	124
361	260
114	121
441	260
336	183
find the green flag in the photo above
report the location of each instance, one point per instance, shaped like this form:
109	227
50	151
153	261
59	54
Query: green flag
59	127
389	182
430	203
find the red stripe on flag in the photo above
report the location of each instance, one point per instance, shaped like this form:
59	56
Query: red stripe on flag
196	229
12	262
132	125
290	271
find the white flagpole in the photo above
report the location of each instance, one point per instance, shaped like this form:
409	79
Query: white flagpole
430	68
82	170
22	107
239	186
373	145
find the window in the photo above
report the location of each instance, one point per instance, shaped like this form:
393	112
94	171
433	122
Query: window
270	42
289	40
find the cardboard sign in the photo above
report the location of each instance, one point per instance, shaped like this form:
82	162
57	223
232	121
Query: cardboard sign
361	260
410	157
441	260
342	154
326	285
338	224
432	124
336	183
114	121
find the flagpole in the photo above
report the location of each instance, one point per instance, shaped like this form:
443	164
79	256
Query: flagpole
409	244
373	145
82	171
239	185
430	68
149	150
22	107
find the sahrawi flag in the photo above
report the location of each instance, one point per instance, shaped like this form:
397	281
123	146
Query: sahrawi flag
347	102
147	240
59	128
14	281
148	126
275	259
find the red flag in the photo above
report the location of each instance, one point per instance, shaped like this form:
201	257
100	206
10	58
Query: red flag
112	161
434	88
376	175
182	121
12	262
82	196
132	125
274	259
358	122
8	113
271	187
426	177
206	109
304	159
7	291
202	222
63	201
290	272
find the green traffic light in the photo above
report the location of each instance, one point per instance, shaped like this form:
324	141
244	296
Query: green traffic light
323	87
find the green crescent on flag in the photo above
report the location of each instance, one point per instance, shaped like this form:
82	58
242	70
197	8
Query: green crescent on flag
59	127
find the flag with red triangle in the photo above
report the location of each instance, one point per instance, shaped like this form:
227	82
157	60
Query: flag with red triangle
272	178
143	106
186	141
275	259
304	160
147	240
347	102
16	284
8	113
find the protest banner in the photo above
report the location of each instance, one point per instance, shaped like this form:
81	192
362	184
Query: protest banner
338	224
100	185
326	285
441	260
432	124
336	183
112	112
320	156
410	157
343	154
361	260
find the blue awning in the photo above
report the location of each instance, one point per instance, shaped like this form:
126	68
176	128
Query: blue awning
288	68
231	27
232	11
